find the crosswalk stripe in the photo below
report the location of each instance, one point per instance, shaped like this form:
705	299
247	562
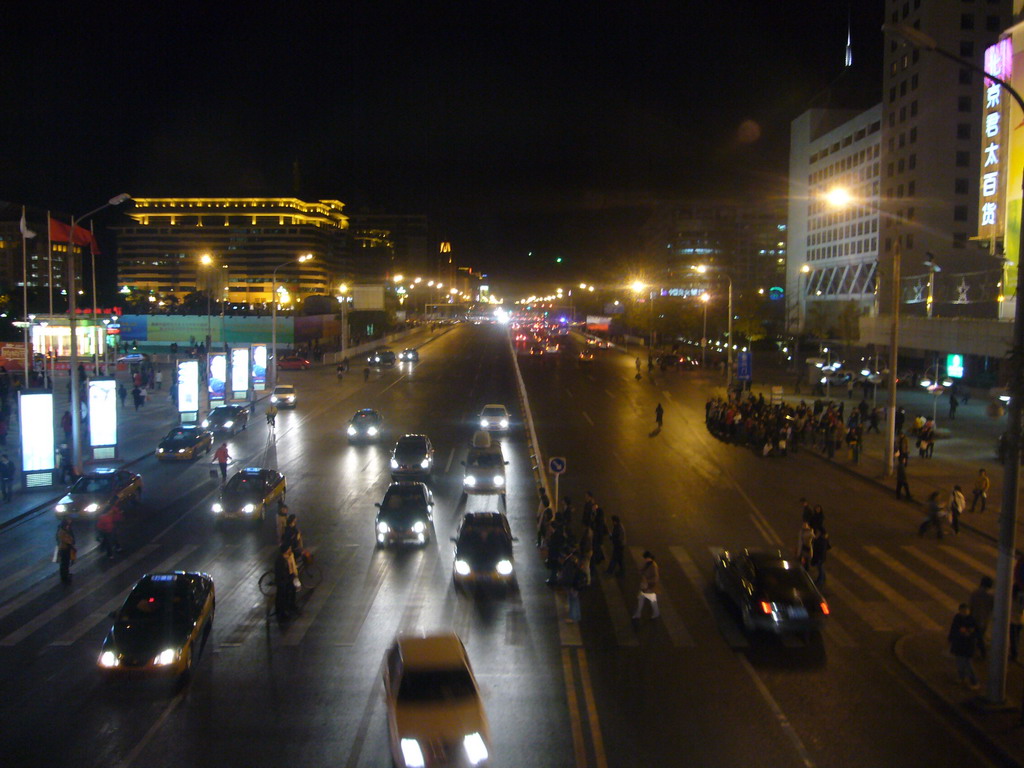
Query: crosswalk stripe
103	612
980	567
568	634
84	590
834	632
917	580
942	568
371	586
617	610
922	619
18	576
301	625
727	626
670	618
867	611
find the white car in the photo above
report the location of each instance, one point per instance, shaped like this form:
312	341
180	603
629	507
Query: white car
485	469
435	715
284	396
494	417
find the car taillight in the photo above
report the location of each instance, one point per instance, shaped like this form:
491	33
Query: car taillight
824	608
766	607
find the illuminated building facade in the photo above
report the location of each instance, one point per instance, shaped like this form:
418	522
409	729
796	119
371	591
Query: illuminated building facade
160	252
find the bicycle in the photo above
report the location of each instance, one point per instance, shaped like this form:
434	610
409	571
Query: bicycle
310	575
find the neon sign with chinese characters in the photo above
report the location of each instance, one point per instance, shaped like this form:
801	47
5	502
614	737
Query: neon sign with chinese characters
991	202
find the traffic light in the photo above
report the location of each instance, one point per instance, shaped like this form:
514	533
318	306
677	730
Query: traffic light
558	260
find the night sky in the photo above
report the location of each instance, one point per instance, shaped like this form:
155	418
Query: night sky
544	127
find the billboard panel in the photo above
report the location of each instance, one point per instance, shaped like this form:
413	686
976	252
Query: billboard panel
598	323
188	386
37	446
218	375
102	412
259	367
367	297
240	369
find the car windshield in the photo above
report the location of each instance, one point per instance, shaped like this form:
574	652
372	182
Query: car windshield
284	390
364	416
429	685
156	602
245	483
403	498
487	460
776	580
222	413
482	538
101	484
180	435
494	413
410	449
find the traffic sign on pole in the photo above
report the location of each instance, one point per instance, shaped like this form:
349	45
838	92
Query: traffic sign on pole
556	465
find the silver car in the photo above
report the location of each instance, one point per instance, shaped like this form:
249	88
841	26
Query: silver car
485	471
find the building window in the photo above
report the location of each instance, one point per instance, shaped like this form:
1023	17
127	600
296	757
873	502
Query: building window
963	130
903	88
966	48
992	24
910	214
963	159
960	186
892	94
889	169
899	191
913	81
915	56
903	114
892	69
903	140
913	108
959	239
966	22
892	119
911	188
913	135
965	77
910	242
912	162
960	213
963	104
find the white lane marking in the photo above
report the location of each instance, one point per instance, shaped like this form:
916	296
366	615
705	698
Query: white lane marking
619	459
148	736
667	394
727	627
588	697
103	612
568	634
389	386
945	570
909	609
617	610
671	619
764	533
18	576
867	611
780	716
83	592
301	625
837	634
569	392
576	726
590	421
609	392
451	455
765	526
977	565
371	586
947	602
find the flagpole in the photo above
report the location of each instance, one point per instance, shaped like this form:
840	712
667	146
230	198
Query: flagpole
95	317
24	286
50	360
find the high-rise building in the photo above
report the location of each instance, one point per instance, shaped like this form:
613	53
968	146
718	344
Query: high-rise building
385	244
246	239
43	271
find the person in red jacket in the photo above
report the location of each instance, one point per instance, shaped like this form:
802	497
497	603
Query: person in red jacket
222	457
106	529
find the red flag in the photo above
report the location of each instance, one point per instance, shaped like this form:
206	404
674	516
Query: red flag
59	232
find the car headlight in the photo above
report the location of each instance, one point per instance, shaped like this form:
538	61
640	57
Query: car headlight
475	748
382	528
91	508
469	480
462	568
229	424
418	527
394	463
166	657
161	450
504	567
483	423
371	431
61	508
249	509
499	480
351	430
504	423
206	423
182	450
109	659
273	398
425	463
412	754
217	507
291	398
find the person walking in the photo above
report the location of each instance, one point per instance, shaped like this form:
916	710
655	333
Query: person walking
820	545
600	531
282	520
957	504
659	415
544	523
222	457
573	576
901	478
618	539
567	513
953	403
804	543
286	573
137	397
933	516
66	552
648	589
158	377
585	552
366	375
981	603
272	416
981	485
67	425
106	528
962	638
122	394
6	476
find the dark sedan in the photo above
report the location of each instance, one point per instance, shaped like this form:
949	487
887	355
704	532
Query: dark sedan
294	363
413	456
483	551
162	627
405	515
227	418
409	356
184	443
381	358
771	590
248	494
366	424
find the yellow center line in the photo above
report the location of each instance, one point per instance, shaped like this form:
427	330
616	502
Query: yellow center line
574	712
595	726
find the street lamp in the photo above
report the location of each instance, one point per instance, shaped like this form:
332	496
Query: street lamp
932	269
703	269
206	260
273	308
76	404
704	297
996	685
343	299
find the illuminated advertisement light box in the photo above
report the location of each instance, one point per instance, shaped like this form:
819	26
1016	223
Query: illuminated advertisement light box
240	369
218	375
188	386
102	412
37	445
259	367
955	366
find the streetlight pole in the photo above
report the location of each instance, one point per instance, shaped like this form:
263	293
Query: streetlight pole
728	357
76	401
704	297
273	305
894	341
995	691
932	269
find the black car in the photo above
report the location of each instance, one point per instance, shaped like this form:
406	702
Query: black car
162	627
409	355
405	515
248	494
184	443
366	424
384	358
771	590
227	418
412	456
483	551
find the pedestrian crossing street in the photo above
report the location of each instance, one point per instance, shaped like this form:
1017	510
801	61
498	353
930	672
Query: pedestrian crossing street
899	588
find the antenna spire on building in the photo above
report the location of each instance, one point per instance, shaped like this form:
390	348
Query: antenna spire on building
849	42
